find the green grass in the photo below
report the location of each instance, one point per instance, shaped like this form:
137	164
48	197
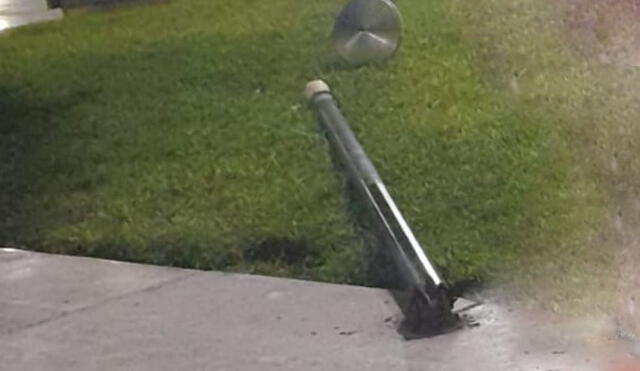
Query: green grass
177	134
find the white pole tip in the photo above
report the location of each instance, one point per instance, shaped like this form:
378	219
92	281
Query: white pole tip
314	87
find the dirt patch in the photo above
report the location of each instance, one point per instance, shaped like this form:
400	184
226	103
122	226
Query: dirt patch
628	227
607	30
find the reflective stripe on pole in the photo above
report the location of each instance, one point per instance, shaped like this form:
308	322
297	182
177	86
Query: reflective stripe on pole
361	171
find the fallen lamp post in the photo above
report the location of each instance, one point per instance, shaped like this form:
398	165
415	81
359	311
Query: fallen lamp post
428	308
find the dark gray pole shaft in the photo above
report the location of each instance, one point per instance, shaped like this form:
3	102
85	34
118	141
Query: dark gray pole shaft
360	169
336	125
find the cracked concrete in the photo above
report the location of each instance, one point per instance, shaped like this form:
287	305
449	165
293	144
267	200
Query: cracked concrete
35	291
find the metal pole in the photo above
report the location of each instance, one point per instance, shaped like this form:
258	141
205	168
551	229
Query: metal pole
429	309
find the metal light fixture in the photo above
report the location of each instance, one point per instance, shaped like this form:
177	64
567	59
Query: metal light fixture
367	31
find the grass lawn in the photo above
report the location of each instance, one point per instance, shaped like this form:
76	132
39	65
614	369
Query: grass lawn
177	134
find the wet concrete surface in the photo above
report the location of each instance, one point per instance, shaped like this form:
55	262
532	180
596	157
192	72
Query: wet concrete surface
14	13
509	338
71	313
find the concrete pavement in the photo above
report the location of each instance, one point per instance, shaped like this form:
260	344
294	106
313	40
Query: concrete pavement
73	313
70	313
14	13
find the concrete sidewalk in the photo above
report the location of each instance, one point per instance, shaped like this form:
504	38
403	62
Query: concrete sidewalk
15	13
72	313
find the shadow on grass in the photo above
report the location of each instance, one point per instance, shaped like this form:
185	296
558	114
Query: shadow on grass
26	126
